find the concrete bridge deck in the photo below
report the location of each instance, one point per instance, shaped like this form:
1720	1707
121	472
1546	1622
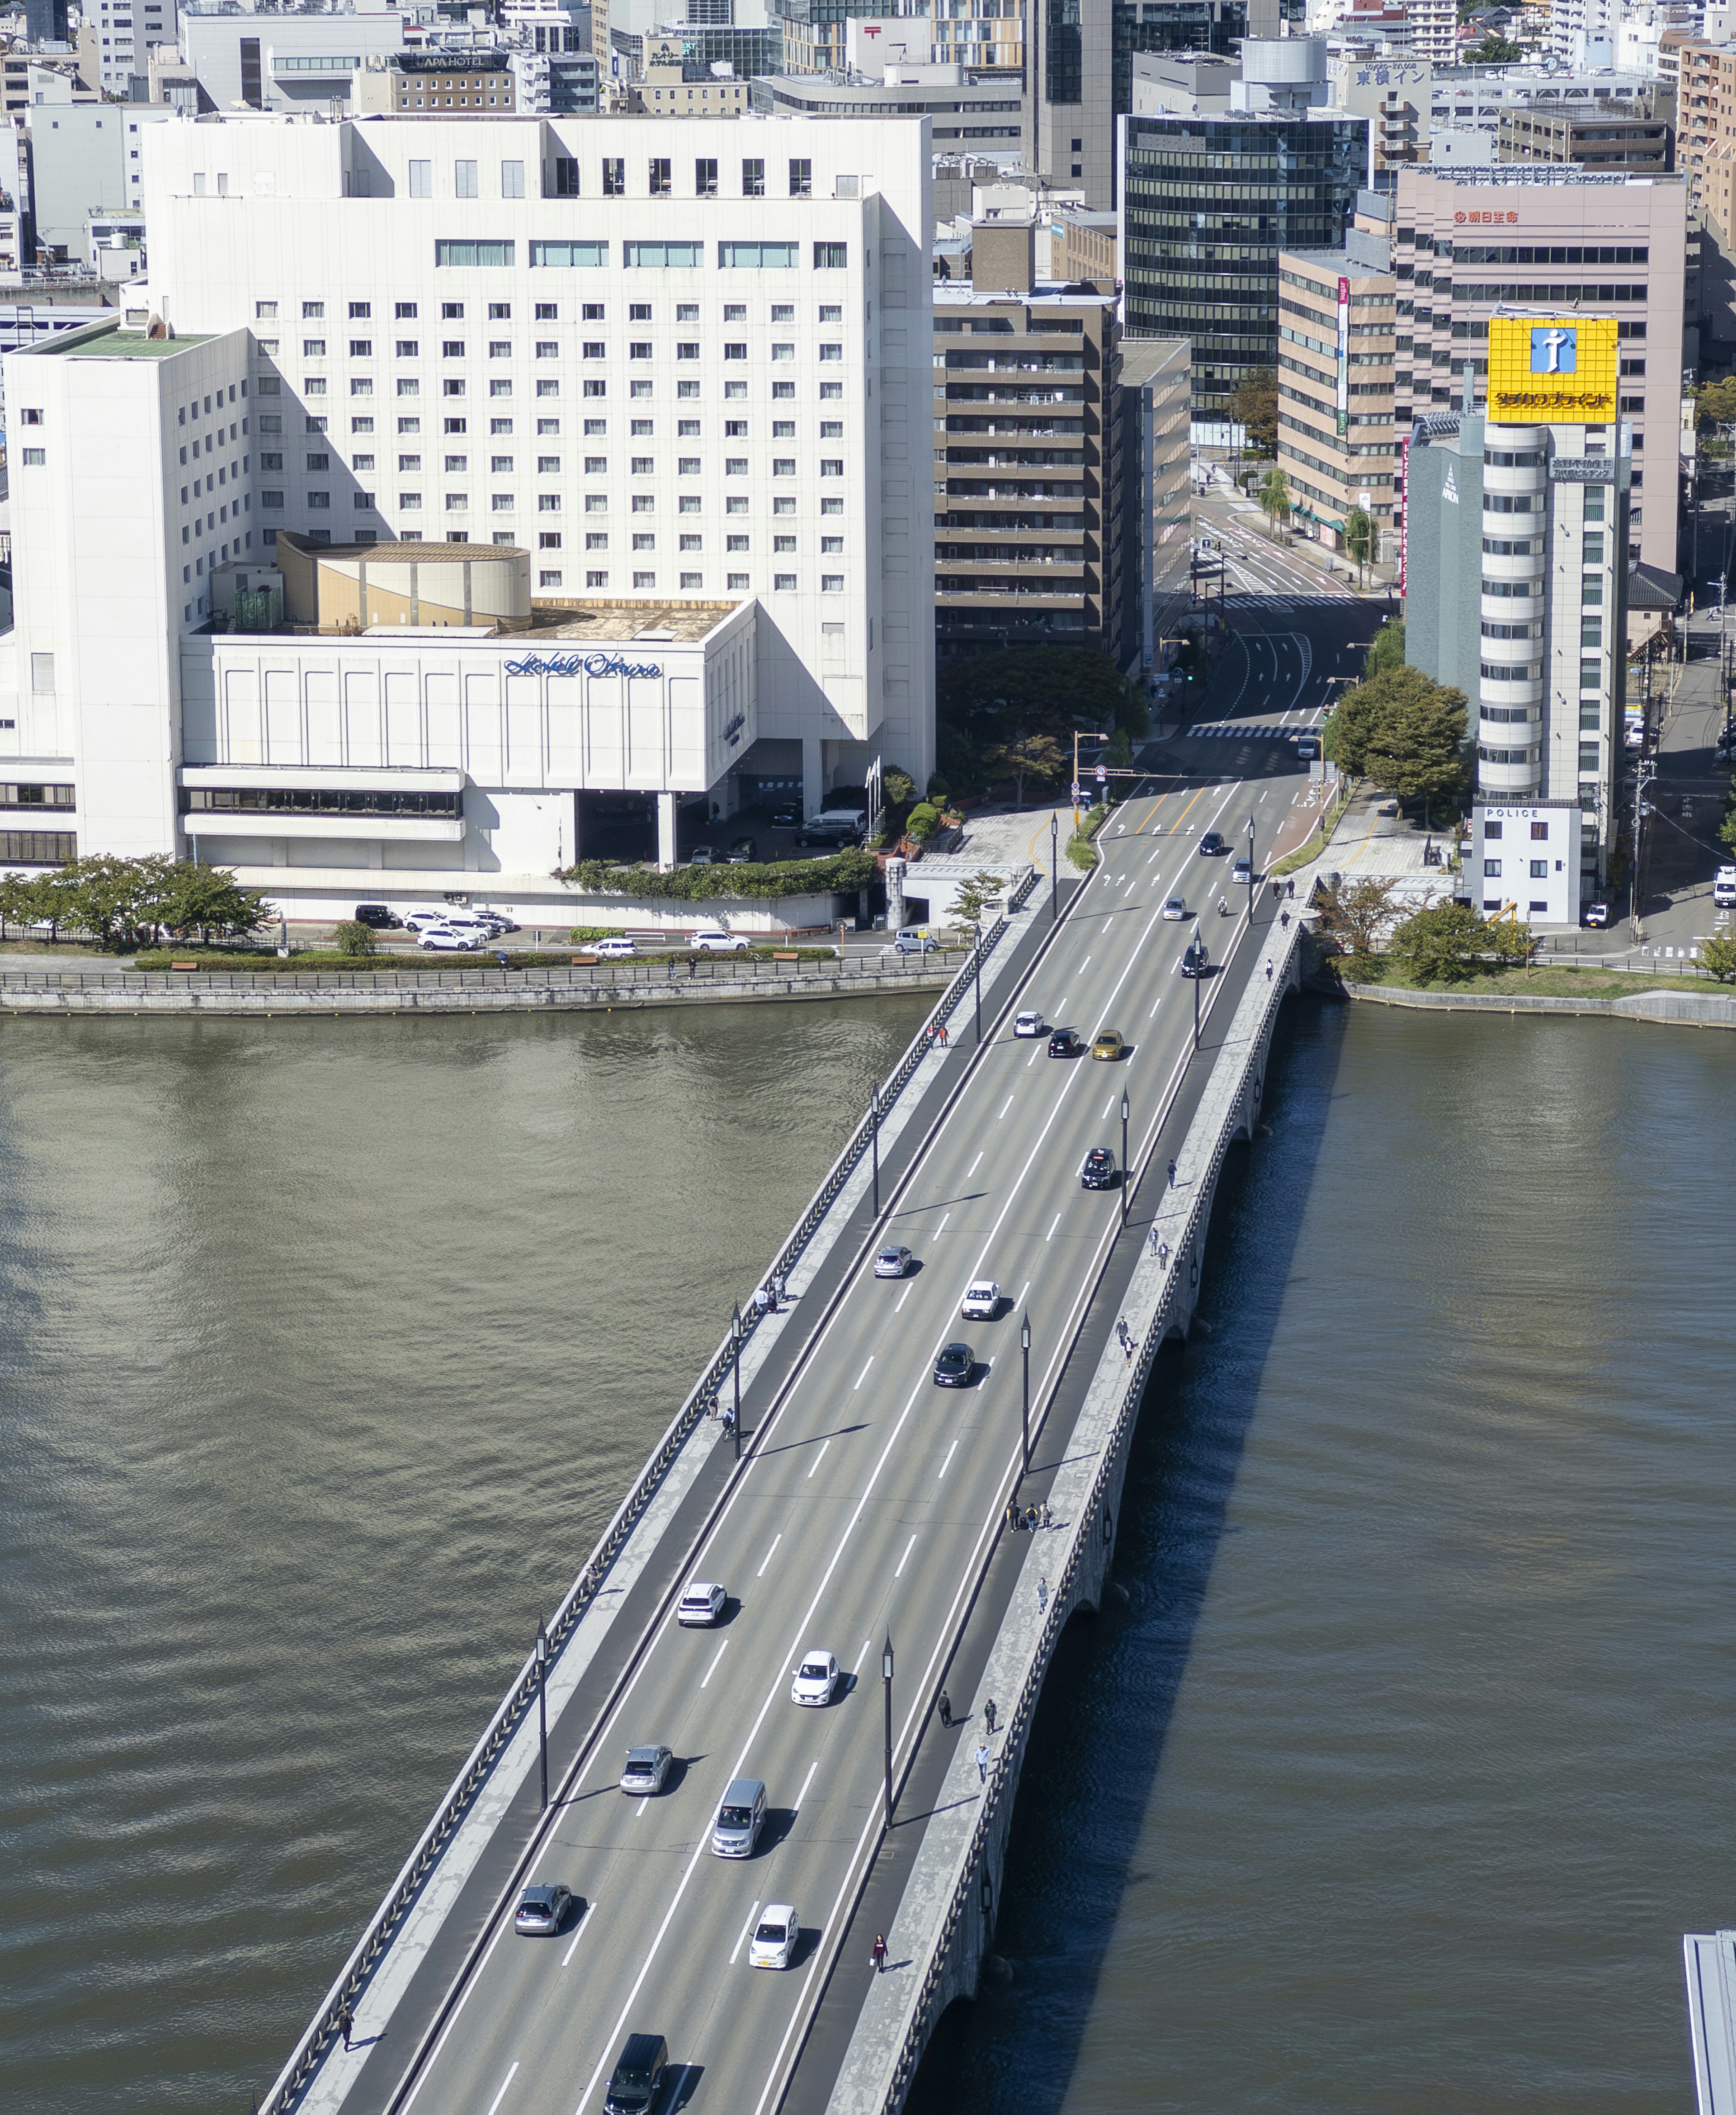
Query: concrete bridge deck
869	1504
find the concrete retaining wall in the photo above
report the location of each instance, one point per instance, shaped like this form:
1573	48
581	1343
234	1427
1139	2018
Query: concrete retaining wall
941	1927
1676	1009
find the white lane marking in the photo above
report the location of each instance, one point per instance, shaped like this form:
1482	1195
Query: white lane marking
613	2041
716	1657
1156	1004
862	1653
806	1782
506	1925
860	1378
974	1165
1083	967
578	1935
642	1806
1005	1106
1036	1048
776	1539
904	1560
902	1297
1050	1236
819	1458
947	1463
941	1228
506	2081
1107	1107
1020	1302
747	1927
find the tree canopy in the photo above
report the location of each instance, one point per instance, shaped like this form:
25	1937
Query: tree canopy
1403	730
1714	404
989	705
1274	495
1451	943
1254	407
115	901
840	875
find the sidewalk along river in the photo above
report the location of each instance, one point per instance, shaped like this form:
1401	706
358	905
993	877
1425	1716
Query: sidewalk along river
1390	1781
325	1355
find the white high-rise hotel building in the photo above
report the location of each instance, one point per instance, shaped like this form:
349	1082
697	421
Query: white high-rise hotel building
599	454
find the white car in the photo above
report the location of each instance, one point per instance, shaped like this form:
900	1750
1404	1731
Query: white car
701	1605
443	940
1175	908
615	951
499	919
981	1300
1030	1022
719	942
775	1936
425	915
816	1678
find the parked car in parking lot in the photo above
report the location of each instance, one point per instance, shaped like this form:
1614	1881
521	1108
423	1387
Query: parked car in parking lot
703	856
542	1911
1596	915
742	851
912	940
442	940
788	817
380	916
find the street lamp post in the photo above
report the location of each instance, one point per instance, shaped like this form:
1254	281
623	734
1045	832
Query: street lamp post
543	1709
1024	1346
885	1670
735	1373
1054	870
1250	869
875	1148
1127	1173
1199	980
977	957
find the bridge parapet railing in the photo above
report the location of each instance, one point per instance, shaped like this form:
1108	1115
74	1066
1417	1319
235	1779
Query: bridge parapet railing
310	2051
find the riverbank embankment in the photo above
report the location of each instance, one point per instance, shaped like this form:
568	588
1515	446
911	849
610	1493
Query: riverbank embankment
1678	1009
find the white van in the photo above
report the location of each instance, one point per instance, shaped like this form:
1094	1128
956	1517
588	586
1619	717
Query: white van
1724	888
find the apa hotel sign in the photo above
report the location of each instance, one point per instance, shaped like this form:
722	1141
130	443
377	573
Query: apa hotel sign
1561	368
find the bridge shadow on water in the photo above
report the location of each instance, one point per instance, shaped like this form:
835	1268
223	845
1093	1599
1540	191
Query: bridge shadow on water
1097	1746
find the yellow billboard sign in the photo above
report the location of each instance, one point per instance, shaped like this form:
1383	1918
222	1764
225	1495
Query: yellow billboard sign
1552	368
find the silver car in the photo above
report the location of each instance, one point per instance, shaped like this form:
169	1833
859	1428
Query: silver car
1175	908
645	1770
893	1261
740	1817
543	1910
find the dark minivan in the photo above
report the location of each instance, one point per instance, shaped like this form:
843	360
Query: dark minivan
637	2079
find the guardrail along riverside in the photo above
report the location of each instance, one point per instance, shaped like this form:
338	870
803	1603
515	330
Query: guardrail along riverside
712	981
944	1918
991	954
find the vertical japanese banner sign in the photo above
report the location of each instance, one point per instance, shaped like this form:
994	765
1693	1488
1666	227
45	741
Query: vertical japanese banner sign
1344	358
1404	508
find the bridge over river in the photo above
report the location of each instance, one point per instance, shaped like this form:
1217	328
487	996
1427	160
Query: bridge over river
868	1505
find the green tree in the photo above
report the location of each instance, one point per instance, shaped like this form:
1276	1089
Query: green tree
978	893
1387	648
897	787
1718	957
30	899
1359	538
354	937
1254	407
1494	50
112	899
1443	945
1714	402
923	821
207	900
1038	756
1358	720
1727	829
1356	915
1417	752
1275	497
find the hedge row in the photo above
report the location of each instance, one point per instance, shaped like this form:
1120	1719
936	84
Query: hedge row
842	874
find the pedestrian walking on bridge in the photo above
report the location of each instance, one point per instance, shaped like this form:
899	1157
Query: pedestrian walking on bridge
988	1714
880	1952
981	1762
946	1708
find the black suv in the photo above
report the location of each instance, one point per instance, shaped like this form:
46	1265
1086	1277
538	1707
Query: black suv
1064	1043
638	2076
380	916
1098	1171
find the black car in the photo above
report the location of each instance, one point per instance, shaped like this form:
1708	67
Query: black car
788	818
1196	962
742	851
380	916
1063	1042
637	2079
1098	1170
955	1366
1211	845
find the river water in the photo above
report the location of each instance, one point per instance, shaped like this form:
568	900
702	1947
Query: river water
1390	1779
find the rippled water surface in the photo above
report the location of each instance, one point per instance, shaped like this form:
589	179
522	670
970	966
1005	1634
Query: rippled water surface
325	1354
1395	1777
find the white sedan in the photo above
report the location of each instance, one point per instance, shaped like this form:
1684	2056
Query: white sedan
1030	1022
1175	908
774	1942
816	1678
981	1300
719	942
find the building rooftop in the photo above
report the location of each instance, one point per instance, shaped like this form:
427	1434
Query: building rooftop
116	344
410	552
650	623
1056	293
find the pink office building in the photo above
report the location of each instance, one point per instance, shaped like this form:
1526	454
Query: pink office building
1467	241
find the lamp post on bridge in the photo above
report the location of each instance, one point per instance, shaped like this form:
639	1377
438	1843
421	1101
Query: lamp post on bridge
885	1671
876	1108
542	1710
1250	870
1054	874
1127	1173
735	1372
1024	1346
977	957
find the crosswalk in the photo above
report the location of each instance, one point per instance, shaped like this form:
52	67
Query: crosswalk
1248	730
1290	603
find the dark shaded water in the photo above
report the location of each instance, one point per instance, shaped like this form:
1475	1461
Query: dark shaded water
325	1354
1395	1780
1392	1784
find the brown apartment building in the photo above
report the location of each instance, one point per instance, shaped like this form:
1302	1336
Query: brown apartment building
1335	388
1599	138
1466	241
1706	153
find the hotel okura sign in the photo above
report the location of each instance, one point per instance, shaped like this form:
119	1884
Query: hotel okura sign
1557	368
